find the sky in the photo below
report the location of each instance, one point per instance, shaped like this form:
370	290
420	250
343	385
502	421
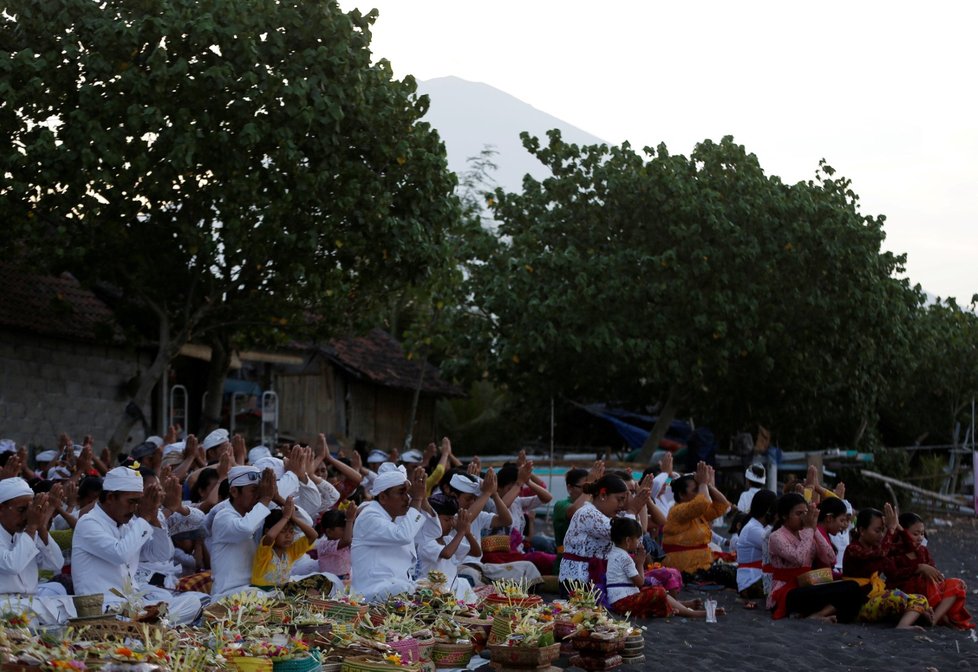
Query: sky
886	92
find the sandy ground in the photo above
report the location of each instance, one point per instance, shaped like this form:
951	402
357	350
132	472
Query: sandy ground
750	640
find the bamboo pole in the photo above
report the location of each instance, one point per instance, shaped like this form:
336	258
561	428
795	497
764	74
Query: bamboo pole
950	499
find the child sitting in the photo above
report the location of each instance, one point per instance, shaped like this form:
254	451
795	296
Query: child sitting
442	550
279	549
914	572
625	580
333	548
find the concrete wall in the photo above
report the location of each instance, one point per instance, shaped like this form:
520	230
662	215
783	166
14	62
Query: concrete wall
48	386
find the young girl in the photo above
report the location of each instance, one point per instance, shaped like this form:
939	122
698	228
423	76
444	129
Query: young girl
871	553
333	548
832	519
625	581
751	548
916	573
279	549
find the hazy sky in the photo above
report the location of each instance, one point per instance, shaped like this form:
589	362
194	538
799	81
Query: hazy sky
887	92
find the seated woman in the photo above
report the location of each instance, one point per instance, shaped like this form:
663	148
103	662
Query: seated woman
588	539
870	554
794	547
687	532
628	591
752	582
916	573
832	519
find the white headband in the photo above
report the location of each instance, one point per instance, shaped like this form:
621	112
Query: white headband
388	476
122	479
464	484
12	488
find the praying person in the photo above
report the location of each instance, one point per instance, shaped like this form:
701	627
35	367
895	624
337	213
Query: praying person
26	547
279	548
233	530
108	540
385	534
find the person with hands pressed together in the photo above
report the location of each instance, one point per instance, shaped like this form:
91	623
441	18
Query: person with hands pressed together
511	481
234	527
870	558
687	531
445	549
26	547
108	540
279	548
385	534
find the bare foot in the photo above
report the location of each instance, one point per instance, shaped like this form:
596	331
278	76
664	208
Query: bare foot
720	611
693	604
919	628
824	619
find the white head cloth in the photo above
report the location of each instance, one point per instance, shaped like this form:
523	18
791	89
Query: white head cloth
155	440
58	474
122	479
46	456
464	484
12	488
376	456
412	456
172	448
8	446
258	452
214	439
236	473
388	476
275	464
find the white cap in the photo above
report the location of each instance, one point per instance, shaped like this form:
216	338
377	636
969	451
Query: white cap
258	452
12	488
238	476
413	456
58	474
46	456
756	473
376	456
388	476
463	483
214	439
155	440
122	479
171	448
275	464
8	446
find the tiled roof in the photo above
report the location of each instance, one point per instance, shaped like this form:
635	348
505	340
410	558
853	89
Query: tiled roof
53	306
379	358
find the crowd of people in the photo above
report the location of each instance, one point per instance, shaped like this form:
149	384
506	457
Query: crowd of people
185	522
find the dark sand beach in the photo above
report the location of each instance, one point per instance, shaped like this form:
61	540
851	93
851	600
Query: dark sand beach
750	640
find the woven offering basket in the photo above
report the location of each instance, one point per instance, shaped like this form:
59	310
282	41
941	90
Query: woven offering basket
251	664
340	611
113	629
446	654
496	543
589	645
425	648
308	663
524	656
594	663
495	601
408	649
88	606
370	664
816	577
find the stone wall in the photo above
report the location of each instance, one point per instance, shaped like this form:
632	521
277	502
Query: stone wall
49	385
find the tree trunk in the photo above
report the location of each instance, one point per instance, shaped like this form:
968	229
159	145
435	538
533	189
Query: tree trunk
666	416
409	438
147	383
217	373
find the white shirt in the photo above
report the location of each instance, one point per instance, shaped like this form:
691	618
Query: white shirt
519	507
20	558
383	553
104	554
746	497
429	553
751	545
233	546
662	492
621	569
307	496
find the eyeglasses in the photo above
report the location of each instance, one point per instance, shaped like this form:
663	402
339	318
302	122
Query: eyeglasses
250	476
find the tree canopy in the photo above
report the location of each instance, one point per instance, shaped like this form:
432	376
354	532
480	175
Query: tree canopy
700	282
231	167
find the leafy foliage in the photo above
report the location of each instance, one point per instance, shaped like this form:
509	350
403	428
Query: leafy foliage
699	279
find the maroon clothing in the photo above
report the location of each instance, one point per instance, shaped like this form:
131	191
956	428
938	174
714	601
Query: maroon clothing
862	562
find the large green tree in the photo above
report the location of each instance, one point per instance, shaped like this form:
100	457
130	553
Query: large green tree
231	167
699	282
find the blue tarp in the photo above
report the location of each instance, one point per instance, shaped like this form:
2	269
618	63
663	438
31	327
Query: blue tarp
634	435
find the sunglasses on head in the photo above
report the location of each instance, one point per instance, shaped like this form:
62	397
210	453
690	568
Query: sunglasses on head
251	477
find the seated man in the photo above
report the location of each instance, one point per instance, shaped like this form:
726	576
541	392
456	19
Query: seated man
25	547
238	519
384	549
687	533
108	541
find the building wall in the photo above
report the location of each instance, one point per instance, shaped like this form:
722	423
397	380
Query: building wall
380	415
49	386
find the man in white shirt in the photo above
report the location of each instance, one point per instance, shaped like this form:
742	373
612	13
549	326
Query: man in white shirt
236	525
25	546
108	540
756	476
384	549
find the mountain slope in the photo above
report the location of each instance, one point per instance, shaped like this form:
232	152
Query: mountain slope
471	115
